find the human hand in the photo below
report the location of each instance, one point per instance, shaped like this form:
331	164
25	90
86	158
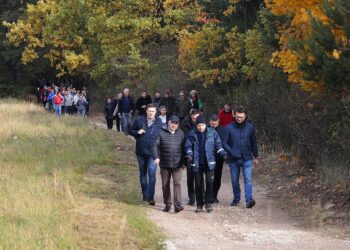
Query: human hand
256	162
156	161
141	131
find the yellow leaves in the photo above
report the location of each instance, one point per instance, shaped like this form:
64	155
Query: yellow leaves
74	61
336	54
29	55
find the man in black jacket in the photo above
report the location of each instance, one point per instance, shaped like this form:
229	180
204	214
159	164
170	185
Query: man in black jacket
168	153
142	103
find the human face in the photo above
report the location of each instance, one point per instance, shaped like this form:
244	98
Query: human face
194	118
173	125
151	113
214	124
126	93
163	111
181	95
240	117
143	94
157	95
109	100
201	127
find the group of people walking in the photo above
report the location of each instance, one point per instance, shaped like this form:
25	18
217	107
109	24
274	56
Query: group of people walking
174	134
64	100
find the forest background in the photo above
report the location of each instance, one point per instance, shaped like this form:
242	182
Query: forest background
288	62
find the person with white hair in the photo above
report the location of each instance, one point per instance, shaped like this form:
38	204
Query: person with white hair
126	109
196	103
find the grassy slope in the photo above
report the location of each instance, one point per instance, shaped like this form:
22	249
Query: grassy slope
62	185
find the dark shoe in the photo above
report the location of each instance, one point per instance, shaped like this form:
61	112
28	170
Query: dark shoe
190	202
250	204
215	201
152	203
178	209
208	208
199	209
234	203
166	209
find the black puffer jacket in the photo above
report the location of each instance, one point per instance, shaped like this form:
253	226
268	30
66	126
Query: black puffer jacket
169	148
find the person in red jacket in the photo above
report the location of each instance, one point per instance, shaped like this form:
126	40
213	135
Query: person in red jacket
225	115
58	100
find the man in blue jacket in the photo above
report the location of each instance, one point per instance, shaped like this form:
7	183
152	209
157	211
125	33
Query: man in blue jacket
125	110
239	141
145	129
202	144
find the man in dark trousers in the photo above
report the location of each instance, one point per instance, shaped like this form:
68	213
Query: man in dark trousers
188	125
168	153
145	129
214	122
202	144
125	110
240	144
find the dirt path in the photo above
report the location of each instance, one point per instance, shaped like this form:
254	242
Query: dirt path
263	227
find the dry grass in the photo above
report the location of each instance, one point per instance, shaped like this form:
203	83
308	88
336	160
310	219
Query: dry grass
45	201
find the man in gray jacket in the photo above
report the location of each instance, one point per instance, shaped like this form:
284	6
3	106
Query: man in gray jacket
168	153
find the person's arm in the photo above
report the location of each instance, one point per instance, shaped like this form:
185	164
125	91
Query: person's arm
218	146
189	149
254	145
183	154
135	128
226	140
155	150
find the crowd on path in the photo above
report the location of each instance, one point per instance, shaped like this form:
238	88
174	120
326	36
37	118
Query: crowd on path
62	98
173	133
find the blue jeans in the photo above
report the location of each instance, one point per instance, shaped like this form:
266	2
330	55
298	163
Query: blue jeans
126	122
58	110
146	164
235	170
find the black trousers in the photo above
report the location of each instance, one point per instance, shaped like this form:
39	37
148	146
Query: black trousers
190	184
199	185
217	177
117	122
109	123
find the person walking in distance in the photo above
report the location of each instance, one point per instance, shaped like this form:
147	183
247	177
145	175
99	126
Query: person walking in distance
214	122
125	110
183	106
225	115
168	153
142	103
145	129
202	144
115	113
108	110
239	141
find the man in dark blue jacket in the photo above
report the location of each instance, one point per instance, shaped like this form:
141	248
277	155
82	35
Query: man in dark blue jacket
215	124
145	129
239	141
202	144
125	110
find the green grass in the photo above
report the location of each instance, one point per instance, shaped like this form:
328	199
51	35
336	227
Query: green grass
45	198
